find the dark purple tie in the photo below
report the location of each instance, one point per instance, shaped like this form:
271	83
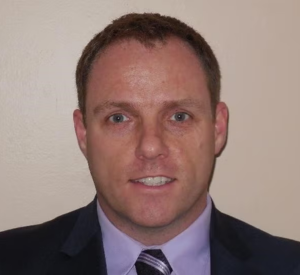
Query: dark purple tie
152	262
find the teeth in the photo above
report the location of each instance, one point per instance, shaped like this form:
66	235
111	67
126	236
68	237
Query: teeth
154	181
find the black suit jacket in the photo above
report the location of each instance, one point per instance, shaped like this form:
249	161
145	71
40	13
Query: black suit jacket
72	245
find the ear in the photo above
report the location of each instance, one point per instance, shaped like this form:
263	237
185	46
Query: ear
80	130
221	127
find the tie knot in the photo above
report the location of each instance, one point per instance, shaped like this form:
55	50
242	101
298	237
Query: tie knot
152	262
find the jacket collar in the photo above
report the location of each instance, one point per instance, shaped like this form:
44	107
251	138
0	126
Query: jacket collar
86	227
83	251
229	253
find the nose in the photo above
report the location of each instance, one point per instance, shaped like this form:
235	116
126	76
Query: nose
151	142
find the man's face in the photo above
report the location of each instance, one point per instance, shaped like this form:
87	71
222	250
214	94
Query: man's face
150	138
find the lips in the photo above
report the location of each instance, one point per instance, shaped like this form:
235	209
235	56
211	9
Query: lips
153	181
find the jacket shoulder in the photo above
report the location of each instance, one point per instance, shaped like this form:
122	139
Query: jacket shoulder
268	252
21	246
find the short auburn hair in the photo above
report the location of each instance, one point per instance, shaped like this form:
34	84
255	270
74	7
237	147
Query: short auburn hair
147	28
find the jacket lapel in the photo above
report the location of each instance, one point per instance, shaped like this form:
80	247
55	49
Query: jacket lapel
229	254
83	252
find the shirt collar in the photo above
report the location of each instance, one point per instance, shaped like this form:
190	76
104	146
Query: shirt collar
187	253
121	251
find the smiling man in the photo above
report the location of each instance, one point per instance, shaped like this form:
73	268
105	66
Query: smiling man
150	124
150	137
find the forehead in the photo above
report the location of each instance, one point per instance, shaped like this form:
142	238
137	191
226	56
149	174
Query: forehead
129	68
131	50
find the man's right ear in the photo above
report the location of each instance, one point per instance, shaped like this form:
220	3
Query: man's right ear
80	130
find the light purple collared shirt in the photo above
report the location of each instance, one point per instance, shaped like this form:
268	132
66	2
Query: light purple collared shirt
188	253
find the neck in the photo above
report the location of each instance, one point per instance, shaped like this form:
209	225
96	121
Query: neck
155	235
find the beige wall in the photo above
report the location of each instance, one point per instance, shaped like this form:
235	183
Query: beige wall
257	42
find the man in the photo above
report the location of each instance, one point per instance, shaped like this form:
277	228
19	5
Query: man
150	124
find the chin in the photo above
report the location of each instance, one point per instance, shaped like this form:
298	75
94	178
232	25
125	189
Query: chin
153	220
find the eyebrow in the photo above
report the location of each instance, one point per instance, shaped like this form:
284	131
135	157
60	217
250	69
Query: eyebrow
114	104
187	102
132	107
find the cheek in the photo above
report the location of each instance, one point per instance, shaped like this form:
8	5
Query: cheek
196	142
196	149
105	163
107	151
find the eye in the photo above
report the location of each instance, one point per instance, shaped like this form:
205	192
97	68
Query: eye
118	118
180	116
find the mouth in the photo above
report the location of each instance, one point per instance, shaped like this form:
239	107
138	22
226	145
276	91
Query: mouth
153	181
